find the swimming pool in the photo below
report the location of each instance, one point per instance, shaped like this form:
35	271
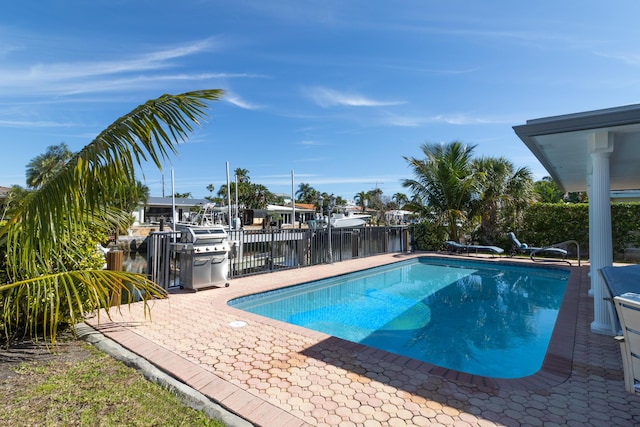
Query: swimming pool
481	318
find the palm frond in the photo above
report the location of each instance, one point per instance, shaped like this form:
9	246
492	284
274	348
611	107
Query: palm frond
82	190
47	282
45	302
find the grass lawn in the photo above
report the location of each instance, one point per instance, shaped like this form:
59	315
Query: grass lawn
78	385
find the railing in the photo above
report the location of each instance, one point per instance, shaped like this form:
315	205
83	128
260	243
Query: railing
161	258
263	251
260	251
558	245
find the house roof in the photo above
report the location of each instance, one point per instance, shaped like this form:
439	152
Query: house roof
4	191
299	208
560	143
309	206
168	201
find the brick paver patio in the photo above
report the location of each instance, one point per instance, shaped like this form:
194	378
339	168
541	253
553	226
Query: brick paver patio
276	374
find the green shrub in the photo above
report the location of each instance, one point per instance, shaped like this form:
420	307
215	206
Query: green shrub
546	224
427	236
549	223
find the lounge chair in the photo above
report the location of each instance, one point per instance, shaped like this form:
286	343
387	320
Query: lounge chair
523	248
458	248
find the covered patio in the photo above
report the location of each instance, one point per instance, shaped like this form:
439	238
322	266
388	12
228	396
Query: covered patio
597	152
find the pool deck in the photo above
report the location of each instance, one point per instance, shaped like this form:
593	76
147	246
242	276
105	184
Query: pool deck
274	374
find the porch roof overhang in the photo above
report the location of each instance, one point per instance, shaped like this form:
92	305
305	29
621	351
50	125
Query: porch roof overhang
559	143
597	151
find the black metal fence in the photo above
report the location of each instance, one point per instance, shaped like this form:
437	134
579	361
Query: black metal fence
262	251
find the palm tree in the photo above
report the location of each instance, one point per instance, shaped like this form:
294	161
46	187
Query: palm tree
306	193
142	193
41	168
250	195
362	199
242	175
548	191
445	184
375	202
505	193
14	196
186	195
210	188
257	197
41	291
400	199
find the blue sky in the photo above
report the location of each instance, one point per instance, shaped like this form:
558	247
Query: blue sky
338	91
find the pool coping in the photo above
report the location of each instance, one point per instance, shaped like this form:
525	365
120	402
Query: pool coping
556	367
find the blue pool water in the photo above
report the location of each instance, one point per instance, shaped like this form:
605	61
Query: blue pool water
480	318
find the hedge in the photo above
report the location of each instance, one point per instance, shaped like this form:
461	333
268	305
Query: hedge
548	223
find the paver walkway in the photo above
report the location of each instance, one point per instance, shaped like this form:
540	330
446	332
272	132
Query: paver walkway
276	374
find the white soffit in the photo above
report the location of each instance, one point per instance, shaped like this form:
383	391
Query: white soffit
560	144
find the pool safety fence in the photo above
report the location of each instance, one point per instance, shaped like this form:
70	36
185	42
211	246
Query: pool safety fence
263	251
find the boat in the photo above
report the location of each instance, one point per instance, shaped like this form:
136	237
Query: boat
349	219
209	215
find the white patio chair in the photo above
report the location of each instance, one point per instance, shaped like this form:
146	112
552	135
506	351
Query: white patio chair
628	309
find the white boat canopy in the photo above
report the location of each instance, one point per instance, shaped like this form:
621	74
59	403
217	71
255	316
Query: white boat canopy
597	152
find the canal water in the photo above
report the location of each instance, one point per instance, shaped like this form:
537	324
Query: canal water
134	262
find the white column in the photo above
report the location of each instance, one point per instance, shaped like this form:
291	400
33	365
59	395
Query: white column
590	197
601	252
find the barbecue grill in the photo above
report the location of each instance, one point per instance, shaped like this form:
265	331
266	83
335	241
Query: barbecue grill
204	256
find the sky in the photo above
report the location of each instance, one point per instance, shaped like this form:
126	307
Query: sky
335	92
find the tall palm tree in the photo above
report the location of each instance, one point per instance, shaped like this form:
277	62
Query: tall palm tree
39	289
445	183
306	193
505	193
242	175
44	166
210	188
361	199
400	199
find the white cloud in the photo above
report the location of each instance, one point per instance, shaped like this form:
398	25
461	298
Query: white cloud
403	121
460	119
65	78
312	143
315	180
151	61
311	160
627	58
239	102
457	119
325	97
32	124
